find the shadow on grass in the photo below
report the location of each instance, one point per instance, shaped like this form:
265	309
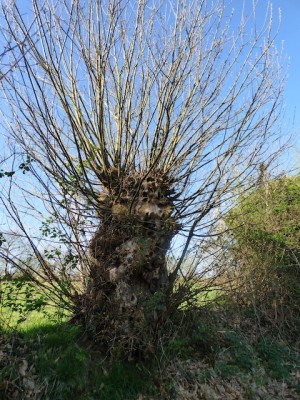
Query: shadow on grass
67	369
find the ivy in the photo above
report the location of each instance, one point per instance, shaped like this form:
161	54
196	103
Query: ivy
9	174
24	167
2	239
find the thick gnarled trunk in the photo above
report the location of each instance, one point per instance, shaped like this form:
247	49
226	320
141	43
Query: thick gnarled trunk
129	277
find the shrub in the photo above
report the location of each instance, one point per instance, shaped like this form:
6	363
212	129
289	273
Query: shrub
265	251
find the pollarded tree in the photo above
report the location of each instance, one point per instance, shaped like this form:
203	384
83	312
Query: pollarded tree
144	116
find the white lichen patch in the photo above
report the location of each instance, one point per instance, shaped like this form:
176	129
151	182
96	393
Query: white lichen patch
117	273
125	295
148	210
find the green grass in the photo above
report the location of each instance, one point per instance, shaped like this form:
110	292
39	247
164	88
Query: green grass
201	294
23	307
60	357
210	295
73	371
277	357
69	369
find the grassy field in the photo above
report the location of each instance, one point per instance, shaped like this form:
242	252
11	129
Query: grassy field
58	364
23	307
42	356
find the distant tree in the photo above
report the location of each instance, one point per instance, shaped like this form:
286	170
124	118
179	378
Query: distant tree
265	227
139	118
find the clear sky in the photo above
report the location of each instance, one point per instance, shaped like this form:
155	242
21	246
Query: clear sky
289	34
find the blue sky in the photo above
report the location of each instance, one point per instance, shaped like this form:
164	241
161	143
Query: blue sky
289	34
289	38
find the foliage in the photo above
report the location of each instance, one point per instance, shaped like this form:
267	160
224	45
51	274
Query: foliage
20	296
23	304
269	218
193	336
24	167
279	359
266	250
236	356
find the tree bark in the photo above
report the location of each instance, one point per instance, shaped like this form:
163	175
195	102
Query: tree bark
129	277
